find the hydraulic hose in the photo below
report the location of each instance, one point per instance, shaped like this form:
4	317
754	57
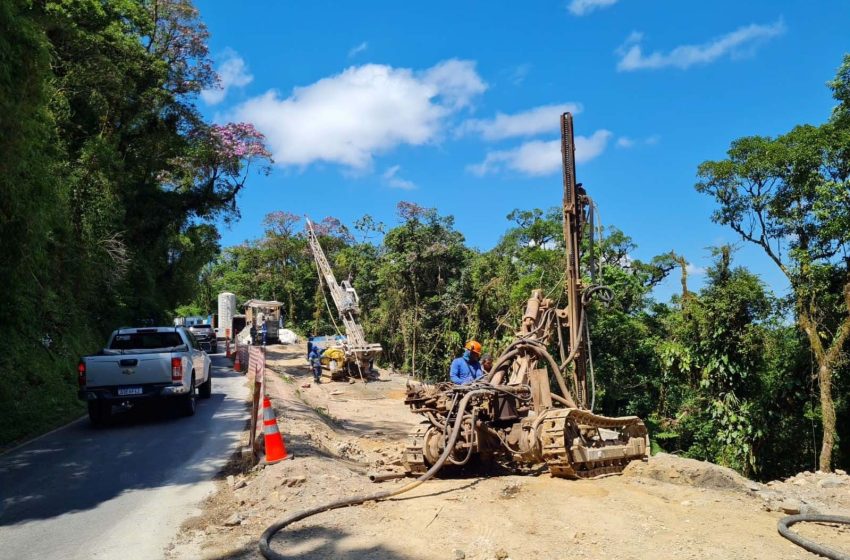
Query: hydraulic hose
513	350
542	352
272	530
785	530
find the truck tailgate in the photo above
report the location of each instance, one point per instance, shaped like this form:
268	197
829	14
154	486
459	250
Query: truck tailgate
128	369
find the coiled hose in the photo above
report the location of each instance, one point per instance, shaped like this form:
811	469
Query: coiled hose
785	530
272	530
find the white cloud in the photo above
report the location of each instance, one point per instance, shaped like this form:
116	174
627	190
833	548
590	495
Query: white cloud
742	41
540	157
232	72
518	74
456	81
528	123
627	142
694	270
365	110
392	179
358	49
582	7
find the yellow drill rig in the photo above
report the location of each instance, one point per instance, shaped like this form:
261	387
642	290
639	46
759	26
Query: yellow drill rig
533	408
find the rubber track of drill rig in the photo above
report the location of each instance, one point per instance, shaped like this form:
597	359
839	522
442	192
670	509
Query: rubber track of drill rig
414	451
560	450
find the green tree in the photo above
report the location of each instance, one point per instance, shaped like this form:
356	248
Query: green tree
421	317
717	344
788	195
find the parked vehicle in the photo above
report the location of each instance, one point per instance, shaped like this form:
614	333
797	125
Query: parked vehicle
206	337
145	364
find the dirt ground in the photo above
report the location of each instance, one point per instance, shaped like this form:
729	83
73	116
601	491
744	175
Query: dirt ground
667	508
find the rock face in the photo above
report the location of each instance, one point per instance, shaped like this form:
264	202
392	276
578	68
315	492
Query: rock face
808	492
805	492
688	472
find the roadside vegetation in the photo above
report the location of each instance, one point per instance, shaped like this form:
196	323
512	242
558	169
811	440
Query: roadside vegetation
111	183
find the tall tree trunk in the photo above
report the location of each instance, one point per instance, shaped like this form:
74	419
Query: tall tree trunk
291	315
828	416
826	359
683	266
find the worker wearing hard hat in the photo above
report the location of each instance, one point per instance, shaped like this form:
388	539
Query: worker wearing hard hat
467	369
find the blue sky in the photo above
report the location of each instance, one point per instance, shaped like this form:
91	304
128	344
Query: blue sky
455	105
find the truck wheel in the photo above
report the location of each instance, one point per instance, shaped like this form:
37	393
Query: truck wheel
100	412
187	403
205	388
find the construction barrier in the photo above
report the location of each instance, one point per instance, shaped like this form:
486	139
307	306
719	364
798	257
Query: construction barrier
254	365
256	362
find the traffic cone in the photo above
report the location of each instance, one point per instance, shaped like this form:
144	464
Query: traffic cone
237	365
275	447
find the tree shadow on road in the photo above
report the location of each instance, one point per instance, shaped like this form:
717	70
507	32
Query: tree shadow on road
80	467
319	543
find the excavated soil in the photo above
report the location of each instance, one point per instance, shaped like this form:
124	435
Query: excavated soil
667	508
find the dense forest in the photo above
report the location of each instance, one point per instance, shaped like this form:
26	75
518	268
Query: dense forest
113	185
110	184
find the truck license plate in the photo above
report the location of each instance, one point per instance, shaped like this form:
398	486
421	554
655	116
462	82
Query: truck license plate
129	391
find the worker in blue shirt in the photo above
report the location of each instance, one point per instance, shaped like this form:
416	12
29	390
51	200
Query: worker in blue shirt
316	364
467	369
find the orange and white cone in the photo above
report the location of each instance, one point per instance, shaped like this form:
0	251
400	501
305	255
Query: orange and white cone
275	447
237	365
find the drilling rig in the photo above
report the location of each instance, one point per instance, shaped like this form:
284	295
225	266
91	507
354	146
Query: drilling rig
358	353
532	407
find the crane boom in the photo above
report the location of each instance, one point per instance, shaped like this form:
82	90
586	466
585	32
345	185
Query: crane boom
347	304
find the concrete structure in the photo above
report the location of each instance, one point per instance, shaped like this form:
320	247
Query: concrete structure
226	311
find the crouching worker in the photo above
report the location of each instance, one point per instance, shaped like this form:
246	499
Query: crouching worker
316	364
467	369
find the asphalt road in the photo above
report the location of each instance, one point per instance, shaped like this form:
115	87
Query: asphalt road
120	491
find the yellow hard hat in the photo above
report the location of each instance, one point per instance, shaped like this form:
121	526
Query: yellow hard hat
473	346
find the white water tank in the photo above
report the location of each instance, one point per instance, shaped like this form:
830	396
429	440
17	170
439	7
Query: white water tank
226	311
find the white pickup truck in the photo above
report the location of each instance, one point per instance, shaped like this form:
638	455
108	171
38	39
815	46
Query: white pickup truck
164	363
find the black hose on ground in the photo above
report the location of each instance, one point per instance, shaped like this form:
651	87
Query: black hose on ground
272	530
784	527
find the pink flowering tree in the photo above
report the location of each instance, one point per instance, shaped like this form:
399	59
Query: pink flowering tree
333	227
235	149
215	161
410	211
175	34
281	223
221	160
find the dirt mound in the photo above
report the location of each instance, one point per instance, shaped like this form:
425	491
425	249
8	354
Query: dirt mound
689	472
